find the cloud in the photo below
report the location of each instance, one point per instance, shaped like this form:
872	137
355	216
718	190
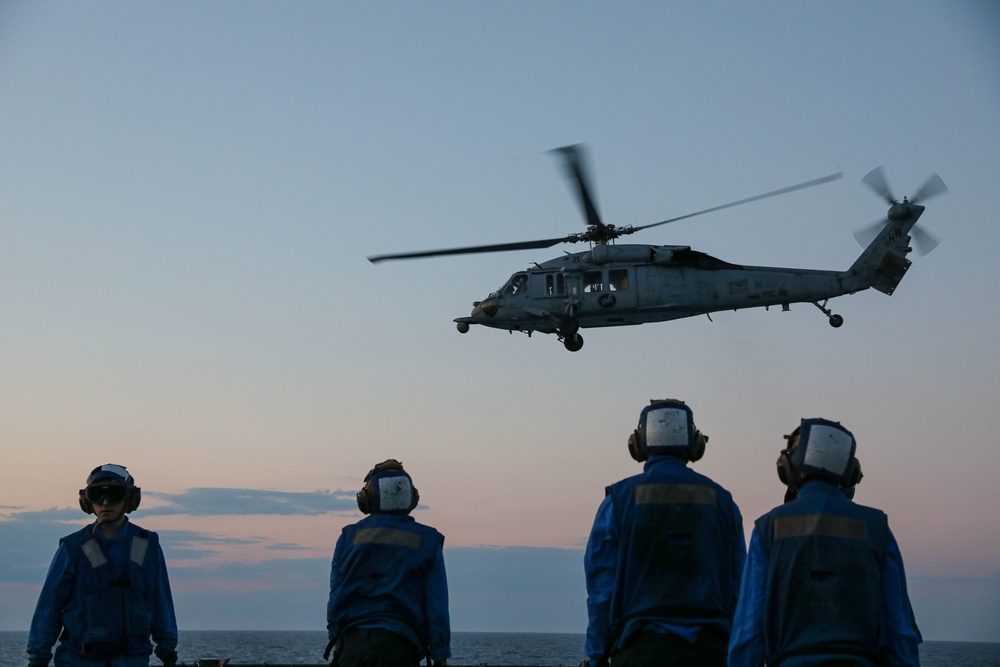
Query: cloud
207	501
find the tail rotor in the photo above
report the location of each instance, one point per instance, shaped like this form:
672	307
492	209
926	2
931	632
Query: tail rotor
876	180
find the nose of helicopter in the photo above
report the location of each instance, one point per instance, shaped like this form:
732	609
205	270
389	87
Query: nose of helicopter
488	307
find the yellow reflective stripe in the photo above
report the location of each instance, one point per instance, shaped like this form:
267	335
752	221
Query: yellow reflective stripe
92	550
393	536
687	494
825	525
138	551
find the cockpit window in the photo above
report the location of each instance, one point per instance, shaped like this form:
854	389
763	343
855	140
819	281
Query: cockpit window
518	284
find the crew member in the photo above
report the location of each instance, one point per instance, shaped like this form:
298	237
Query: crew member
388	603
824	581
107	593
665	555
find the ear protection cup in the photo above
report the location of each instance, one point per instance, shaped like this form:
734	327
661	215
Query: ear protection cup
787	472
637	446
364	500
697	450
853	472
133	499
85	504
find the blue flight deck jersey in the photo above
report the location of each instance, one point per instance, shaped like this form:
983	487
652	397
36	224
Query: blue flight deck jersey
760	611
388	574
665	555
104	597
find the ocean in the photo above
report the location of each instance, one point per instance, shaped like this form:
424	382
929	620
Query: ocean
468	648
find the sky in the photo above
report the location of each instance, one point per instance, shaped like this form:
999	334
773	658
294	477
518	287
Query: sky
189	192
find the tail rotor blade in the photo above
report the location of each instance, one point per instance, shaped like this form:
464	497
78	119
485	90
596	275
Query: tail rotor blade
933	187
867	234
925	240
875	179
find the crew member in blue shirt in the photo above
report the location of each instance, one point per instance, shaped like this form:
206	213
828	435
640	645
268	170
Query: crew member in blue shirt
824	581
665	555
107	593
388	603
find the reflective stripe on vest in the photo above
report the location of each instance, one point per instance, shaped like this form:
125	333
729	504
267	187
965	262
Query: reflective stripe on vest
392	536
686	494
138	551
826	525
92	550
96	557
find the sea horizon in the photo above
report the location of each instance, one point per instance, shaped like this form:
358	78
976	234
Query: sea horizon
494	648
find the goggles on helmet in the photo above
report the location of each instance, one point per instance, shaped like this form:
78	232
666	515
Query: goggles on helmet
114	493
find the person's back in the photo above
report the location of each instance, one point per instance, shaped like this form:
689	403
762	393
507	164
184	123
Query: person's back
824	581
826	555
388	600
664	558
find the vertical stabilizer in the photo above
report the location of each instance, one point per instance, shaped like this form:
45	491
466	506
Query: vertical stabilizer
883	263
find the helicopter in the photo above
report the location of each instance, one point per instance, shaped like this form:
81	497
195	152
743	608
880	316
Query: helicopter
615	284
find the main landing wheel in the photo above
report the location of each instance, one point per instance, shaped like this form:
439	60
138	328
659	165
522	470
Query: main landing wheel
568	326
836	321
573	343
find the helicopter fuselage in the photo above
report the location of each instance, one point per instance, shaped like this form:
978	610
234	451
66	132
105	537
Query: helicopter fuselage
635	284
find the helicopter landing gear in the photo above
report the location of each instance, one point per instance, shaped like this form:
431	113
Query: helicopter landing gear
568	326
573	343
835	320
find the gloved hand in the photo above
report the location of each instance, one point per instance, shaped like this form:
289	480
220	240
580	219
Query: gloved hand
169	659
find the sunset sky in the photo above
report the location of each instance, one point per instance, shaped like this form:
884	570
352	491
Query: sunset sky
189	192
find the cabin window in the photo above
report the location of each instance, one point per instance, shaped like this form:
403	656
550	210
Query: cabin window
592	282
618	279
518	284
555	284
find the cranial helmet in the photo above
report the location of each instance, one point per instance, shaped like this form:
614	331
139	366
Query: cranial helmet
113	481
388	489
667	427
823	449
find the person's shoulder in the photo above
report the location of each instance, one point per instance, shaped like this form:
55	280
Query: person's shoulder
138	531
77	535
708	481
872	511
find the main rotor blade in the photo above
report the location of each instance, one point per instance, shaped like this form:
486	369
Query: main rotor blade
933	187
773	193
499	247
925	240
575	168
875	179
